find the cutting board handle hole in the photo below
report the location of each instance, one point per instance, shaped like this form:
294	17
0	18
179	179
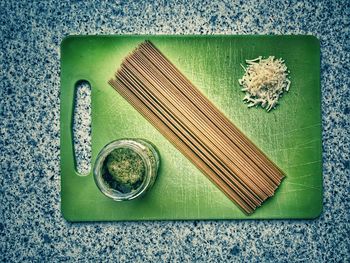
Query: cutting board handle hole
81	127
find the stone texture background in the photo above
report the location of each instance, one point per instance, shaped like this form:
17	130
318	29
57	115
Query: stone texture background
31	226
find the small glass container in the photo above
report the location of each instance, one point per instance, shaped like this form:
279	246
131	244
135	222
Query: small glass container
145	151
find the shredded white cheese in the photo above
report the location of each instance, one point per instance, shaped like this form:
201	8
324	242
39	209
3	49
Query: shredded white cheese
264	81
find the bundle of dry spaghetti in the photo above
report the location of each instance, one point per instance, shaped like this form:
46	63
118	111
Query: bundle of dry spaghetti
167	99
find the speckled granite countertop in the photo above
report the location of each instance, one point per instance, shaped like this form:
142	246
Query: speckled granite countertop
31	225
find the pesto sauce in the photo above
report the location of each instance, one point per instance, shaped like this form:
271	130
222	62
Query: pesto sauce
123	170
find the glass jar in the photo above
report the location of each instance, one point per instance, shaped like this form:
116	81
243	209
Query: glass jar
144	151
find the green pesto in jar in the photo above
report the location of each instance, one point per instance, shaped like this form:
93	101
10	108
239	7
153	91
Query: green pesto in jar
123	170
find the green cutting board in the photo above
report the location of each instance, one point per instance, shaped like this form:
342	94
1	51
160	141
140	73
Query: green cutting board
290	135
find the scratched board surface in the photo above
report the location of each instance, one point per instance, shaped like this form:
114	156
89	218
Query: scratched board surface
289	135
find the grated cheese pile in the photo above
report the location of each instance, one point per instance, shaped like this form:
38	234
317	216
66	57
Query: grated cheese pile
264	81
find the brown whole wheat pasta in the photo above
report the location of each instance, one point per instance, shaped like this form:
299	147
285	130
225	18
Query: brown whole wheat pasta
217	140
196	133
168	100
